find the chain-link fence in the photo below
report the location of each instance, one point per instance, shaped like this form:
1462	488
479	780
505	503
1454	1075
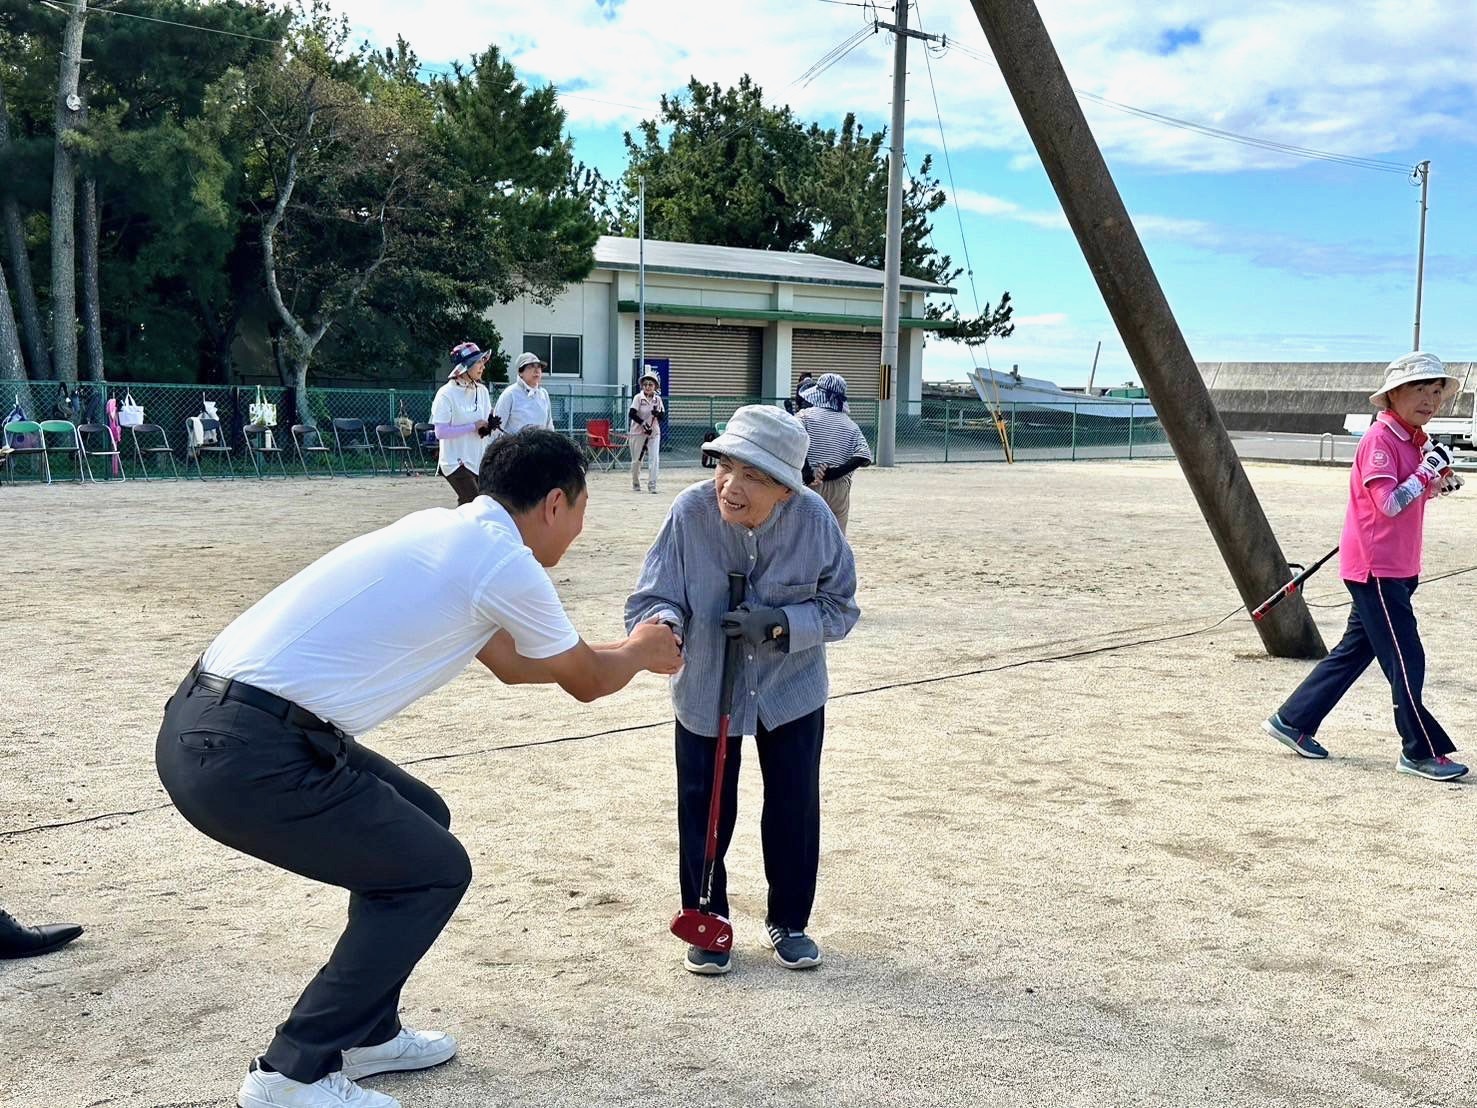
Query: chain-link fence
362	432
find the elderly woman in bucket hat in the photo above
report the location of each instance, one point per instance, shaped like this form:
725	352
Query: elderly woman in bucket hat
644	430
524	403
1397	468
460	414
837	445
756	518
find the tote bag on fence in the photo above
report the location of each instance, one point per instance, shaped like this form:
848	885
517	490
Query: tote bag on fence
131	412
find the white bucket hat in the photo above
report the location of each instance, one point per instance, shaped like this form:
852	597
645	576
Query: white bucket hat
770	440
527	359
1410	368
650	375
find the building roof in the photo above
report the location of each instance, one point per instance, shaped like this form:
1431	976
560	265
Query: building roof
737	262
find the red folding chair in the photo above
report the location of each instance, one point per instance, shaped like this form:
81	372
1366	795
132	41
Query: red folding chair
604	445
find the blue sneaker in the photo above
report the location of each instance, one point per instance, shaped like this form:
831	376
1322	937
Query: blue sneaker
1433	769
792	949
1293	739
707	962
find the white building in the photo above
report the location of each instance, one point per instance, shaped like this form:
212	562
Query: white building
731	321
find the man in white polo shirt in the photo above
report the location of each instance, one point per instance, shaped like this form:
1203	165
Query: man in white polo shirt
258	746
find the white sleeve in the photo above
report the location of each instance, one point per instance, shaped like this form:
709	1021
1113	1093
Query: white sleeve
484	402
522	600
441	407
504	404
548	413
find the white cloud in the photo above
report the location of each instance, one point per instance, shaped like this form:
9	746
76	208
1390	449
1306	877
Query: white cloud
1357	78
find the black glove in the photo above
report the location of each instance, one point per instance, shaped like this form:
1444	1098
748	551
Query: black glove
493	423
757	627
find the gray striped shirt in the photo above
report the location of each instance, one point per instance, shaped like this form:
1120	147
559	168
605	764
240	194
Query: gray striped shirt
797	560
834	437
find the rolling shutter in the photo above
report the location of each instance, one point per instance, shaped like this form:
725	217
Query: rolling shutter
709	359
856	355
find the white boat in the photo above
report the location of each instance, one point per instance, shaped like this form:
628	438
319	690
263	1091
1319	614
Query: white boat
1020	392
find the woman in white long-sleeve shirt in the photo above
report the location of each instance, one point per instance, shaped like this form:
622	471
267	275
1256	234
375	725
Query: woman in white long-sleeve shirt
523	403
460	415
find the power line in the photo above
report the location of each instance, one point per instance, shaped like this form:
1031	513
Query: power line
54	6
1353	160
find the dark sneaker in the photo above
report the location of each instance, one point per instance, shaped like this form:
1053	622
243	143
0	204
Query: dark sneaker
709	962
1434	769
1293	739
792	949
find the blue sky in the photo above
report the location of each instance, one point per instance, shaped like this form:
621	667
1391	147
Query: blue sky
1263	256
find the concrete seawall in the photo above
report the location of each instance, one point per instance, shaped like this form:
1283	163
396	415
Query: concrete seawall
1310	397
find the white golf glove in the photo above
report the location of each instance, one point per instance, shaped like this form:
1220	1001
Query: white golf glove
1451	483
1436	459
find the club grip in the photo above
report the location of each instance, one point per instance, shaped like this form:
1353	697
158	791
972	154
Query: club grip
732	648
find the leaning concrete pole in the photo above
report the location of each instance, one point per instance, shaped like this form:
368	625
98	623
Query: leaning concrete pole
1049	108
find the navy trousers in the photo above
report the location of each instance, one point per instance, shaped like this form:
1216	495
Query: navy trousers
313	801
1381	626
789	826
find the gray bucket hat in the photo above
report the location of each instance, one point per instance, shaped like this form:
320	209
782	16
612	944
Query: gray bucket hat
769	439
1410	368
525	360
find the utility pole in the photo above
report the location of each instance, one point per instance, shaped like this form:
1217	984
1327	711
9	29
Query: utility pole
1053	118
640	278
64	200
1423	173
892	266
1093	372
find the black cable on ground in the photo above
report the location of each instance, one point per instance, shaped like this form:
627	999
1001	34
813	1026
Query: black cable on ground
1017	664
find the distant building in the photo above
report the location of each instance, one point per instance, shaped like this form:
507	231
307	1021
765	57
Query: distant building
731	321
1311	397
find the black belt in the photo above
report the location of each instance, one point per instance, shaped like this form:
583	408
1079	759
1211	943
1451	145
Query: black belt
285	710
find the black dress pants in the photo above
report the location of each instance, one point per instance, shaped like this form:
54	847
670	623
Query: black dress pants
313	801
789	826
463	482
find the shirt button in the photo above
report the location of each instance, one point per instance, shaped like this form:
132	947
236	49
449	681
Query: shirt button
753	693
751	657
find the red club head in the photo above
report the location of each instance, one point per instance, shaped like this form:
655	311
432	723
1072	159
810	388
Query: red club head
703	930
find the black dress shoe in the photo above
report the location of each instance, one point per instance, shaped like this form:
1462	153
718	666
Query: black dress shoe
26	942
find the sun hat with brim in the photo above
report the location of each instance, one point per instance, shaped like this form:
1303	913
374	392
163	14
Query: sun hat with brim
1413	367
826	391
464	356
525	360
649	376
769	439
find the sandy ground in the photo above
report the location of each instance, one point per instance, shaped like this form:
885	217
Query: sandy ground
1086	882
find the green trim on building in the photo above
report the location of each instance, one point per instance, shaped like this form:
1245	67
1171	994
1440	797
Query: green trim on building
772	315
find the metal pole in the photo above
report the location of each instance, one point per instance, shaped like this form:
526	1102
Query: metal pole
1093	373
1423	171
1110	245
892	265
641	276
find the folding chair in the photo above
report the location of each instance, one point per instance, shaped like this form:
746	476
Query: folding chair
427	446
97	431
72	447
350	436
157	451
261	446
17	436
219	447
396	445
309	440
604	445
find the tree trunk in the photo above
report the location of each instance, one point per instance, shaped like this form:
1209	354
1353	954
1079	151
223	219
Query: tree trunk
64	200
20	269
12	365
92	314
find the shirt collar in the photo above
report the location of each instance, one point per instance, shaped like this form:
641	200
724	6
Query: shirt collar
524	385
1392	421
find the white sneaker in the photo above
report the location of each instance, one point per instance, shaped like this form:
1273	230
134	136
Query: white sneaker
276	1090
409	1050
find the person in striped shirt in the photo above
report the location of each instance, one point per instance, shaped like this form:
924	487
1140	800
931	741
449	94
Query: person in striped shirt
837	446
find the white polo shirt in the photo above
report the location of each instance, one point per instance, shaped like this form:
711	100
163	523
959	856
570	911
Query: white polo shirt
392	615
520	406
457	404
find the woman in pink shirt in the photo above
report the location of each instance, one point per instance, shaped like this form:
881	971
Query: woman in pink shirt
1396	470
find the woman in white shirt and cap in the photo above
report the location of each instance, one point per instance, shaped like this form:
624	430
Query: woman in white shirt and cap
644	432
460	415
523	403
